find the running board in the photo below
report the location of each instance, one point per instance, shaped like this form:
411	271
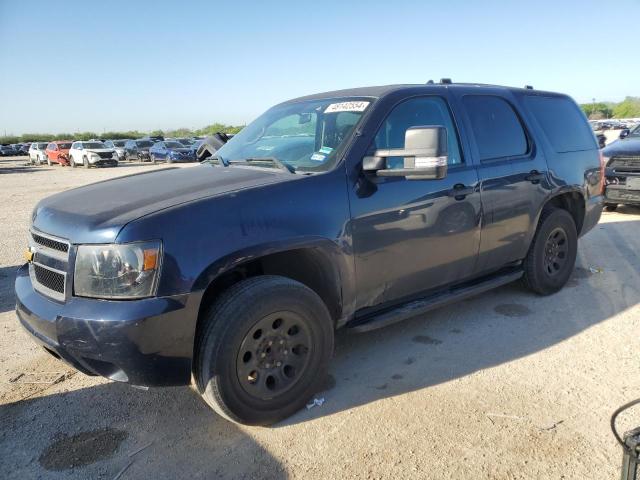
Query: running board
418	307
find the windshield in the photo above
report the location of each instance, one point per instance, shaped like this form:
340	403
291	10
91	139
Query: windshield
93	145
185	141
144	143
173	145
304	135
64	146
635	132
118	143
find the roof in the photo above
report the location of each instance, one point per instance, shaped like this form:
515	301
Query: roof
382	90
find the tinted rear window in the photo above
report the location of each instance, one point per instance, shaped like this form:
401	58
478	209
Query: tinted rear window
562	122
496	127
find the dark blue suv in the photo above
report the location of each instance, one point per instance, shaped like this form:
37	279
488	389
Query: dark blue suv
349	209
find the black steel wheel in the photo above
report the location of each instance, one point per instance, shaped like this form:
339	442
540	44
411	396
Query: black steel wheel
556	251
263	350
552	254
274	355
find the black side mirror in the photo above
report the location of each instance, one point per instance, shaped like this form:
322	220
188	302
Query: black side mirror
624	133
424	152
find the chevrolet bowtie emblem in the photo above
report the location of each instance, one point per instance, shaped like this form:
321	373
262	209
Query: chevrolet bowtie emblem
28	255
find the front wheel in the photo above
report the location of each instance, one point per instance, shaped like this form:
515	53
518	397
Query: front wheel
72	163
85	162
552	255
264	350
611	207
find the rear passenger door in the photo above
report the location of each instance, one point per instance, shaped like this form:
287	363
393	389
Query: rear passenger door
513	176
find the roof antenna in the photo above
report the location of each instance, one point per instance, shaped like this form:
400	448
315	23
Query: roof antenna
430	82
445	81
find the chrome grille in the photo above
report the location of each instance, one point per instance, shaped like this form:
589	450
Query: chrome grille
49	268
623	163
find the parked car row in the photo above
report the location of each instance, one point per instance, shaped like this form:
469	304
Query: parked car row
14	149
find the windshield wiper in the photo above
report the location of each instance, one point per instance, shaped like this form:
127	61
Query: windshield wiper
272	160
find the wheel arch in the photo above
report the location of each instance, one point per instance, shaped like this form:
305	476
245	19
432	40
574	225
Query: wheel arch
318	264
570	199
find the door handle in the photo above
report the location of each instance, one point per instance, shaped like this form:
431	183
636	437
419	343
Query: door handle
534	176
459	191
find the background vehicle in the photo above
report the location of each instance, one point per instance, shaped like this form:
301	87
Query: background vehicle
8	151
171	151
349	209
58	152
137	149
36	152
118	146
92	154
622	172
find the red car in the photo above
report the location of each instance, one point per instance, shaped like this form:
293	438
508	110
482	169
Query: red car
58	152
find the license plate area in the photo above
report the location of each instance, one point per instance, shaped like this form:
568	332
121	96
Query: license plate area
633	183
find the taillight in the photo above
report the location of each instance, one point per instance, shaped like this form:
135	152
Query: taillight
603	165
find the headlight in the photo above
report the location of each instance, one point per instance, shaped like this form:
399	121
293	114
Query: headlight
95	156
115	155
117	271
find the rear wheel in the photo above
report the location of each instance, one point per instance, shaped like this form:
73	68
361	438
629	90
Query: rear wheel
552	255
264	350
72	163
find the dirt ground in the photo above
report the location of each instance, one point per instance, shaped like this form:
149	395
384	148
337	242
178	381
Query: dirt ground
507	385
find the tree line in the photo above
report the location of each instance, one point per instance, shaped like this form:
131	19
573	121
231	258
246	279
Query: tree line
628	108
177	133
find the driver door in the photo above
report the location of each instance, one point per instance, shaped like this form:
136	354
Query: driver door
411	236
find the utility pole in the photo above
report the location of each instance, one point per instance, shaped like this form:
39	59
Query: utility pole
593	109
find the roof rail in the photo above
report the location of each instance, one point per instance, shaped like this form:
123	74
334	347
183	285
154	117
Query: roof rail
528	87
445	81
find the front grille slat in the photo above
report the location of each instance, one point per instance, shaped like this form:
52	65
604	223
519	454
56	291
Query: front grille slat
105	154
50	243
49	279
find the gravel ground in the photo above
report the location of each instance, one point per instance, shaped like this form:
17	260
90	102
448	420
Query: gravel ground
507	385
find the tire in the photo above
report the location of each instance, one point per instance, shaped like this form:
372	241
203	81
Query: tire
38	161
264	384
72	163
85	162
48	161
611	207
152	159
552	254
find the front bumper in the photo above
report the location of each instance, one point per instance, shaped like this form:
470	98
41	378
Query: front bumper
621	194
102	162
146	342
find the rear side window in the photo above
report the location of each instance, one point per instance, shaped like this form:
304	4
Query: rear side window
496	127
562	122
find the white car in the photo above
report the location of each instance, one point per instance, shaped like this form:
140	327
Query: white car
92	153
37	154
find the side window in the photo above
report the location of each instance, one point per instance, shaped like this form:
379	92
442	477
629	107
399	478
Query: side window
562	122
416	112
496	127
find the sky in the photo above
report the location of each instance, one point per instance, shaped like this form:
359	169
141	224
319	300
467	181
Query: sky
75	66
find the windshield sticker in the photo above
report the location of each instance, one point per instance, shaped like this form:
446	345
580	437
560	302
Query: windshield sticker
346	107
326	150
266	148
318	157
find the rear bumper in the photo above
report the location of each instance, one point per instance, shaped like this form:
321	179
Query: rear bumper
145	342
592	213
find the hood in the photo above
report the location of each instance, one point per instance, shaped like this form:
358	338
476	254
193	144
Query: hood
96	213
181	150
626	146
